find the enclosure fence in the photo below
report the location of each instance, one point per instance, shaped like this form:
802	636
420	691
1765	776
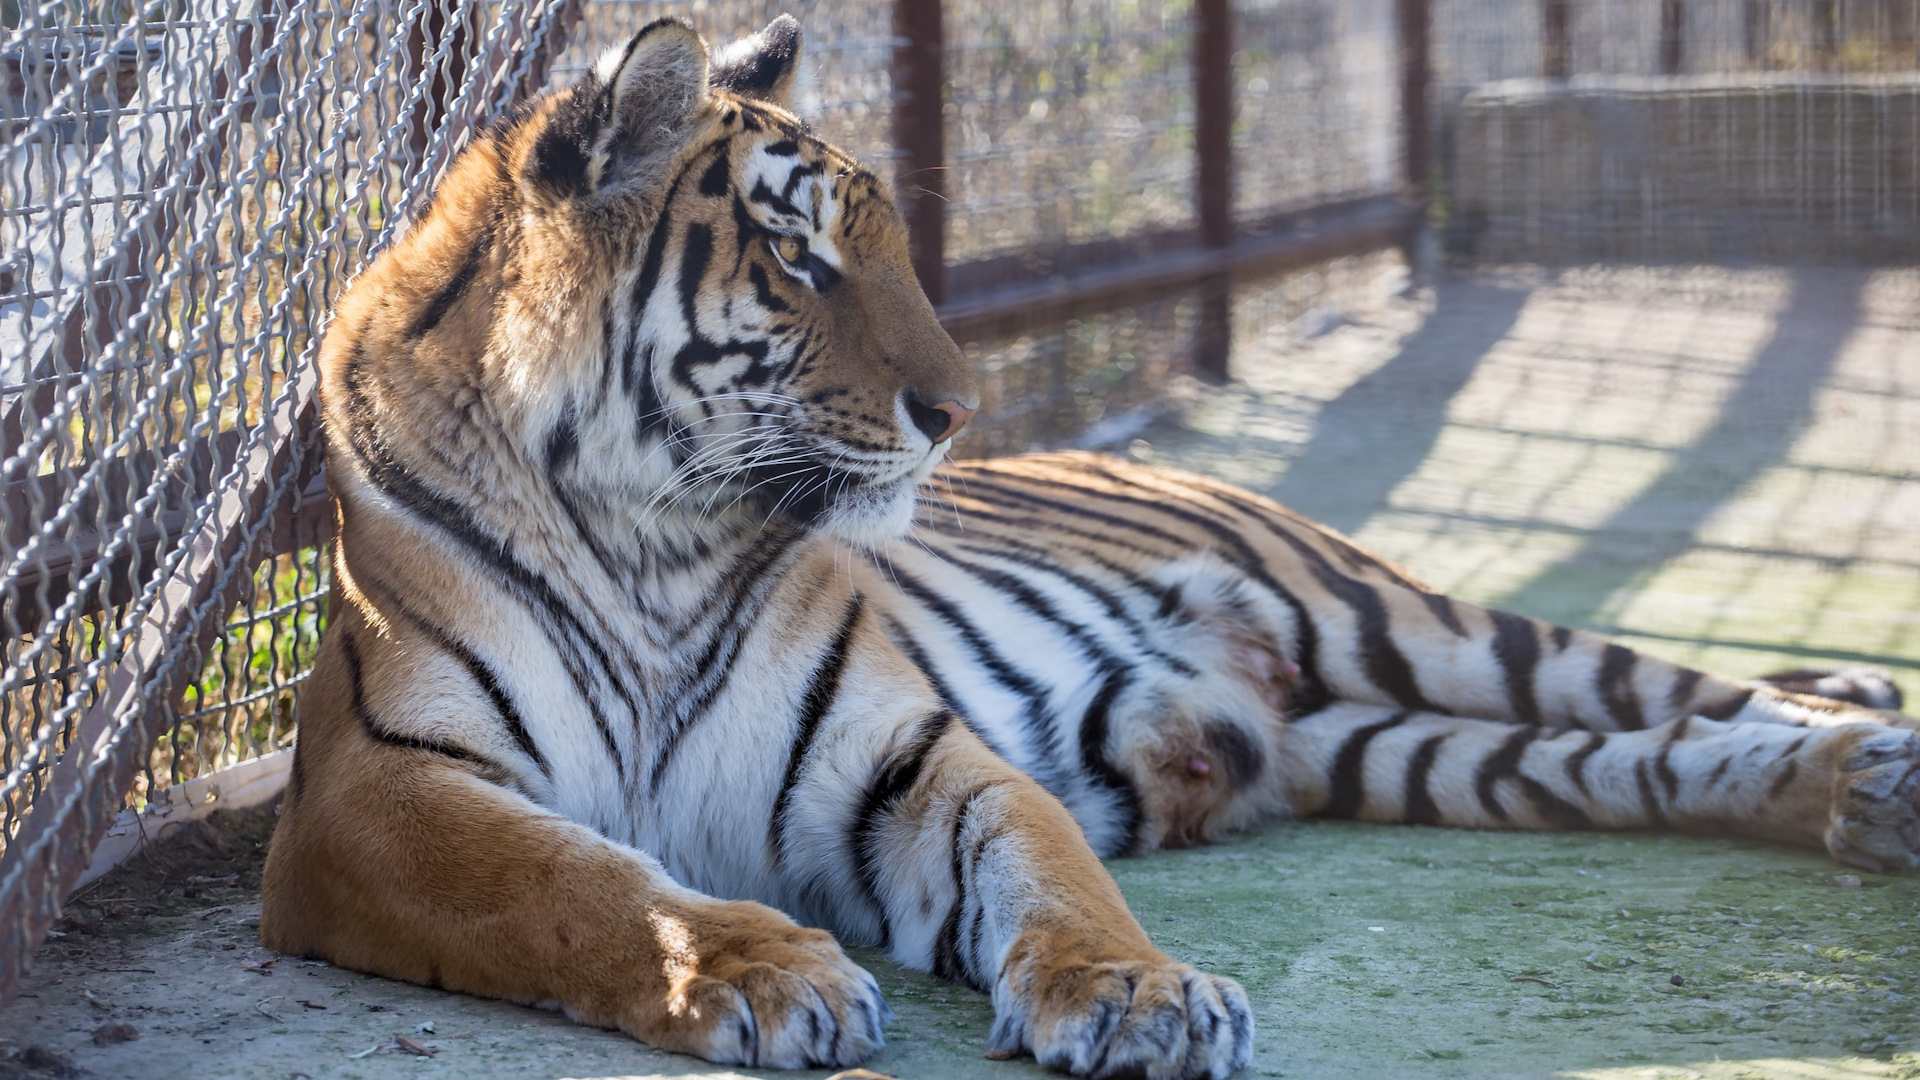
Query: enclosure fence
1098	195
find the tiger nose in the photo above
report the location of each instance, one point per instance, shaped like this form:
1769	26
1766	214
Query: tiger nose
940	422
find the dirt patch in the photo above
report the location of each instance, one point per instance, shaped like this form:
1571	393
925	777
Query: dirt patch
1367	950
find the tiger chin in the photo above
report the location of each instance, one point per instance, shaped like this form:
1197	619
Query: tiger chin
666	655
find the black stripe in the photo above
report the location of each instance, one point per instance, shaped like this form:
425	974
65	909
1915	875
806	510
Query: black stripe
1346	783
696	251
822	689
892	780
1726	708
479	670
1719	771
1039	606
1615	687
1502	764
1386	665
741	607
1662	766
1649	801
1557	811
1442	607
1576	764
456	287
1680	695
1516	645
358	697
1098	594
717	180
1313	693
908	644
1046	741
1786	777
949	961
562	449
1562	637
1417	806
1792	749
556	615
1094	729
1015	507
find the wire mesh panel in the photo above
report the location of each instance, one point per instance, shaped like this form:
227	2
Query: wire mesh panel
1316	103
846	89
185	187
1066	123
1681	130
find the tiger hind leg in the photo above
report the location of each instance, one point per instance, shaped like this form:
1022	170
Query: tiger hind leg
1853	789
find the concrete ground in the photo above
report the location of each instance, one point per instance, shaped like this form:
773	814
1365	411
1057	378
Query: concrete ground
1721	467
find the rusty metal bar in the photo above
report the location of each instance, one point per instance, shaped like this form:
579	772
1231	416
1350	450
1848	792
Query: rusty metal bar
1213	180
1416	59
919	136
1269	246
549	48
1757	31
1673	36
152	539
1556	45
423	41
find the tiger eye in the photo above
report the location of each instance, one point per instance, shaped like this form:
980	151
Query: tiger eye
791	249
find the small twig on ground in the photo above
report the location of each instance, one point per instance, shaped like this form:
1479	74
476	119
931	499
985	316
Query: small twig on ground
412	1047
212	911
262	1009
1534	979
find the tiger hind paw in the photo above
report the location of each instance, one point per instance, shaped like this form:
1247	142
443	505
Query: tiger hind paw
1875	823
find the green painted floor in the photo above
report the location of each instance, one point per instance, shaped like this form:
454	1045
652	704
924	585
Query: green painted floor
1721	466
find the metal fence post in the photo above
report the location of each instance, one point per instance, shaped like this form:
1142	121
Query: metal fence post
1213	187
1673	36
1416	22
919	134
1556	48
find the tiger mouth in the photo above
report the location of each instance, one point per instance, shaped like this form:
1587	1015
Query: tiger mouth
808	492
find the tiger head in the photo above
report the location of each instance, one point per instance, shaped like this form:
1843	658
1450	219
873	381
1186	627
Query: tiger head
667	297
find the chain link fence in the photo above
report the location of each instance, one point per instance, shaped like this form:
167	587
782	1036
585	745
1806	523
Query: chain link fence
185	188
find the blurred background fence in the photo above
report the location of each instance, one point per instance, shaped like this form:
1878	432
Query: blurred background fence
1100	192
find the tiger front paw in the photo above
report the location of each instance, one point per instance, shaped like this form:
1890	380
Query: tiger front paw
750	987
1156	1018
1875	820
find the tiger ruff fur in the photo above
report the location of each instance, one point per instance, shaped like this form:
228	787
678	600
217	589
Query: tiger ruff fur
625	432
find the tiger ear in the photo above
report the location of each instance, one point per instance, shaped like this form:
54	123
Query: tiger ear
763	66
656	92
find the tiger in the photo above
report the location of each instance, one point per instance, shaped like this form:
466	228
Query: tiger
669	651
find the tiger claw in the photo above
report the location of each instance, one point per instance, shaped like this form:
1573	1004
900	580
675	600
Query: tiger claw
1162	1020
1875	819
